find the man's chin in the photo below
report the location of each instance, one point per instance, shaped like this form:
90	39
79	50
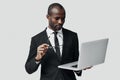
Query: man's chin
58	28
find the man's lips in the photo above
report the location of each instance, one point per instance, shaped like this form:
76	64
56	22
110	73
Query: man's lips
58	27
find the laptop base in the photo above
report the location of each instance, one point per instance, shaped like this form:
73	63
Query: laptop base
70	66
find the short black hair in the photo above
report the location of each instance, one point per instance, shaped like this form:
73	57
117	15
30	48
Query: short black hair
53	5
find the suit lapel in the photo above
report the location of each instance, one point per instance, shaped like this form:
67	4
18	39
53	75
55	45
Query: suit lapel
64	44
46	40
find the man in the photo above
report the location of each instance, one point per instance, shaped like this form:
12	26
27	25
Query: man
52	47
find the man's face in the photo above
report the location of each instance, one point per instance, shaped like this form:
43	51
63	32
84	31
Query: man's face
56	19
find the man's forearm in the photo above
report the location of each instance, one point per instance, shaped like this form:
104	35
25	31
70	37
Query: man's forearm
31	66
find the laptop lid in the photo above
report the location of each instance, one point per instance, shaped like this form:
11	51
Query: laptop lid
92	53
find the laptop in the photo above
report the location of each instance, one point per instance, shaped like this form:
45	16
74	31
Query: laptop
91	53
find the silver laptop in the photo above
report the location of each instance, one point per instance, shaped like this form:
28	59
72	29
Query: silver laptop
91	53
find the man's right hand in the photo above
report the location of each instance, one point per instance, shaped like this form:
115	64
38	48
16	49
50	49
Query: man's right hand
41	51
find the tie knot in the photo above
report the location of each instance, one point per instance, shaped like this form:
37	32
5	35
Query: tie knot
55	33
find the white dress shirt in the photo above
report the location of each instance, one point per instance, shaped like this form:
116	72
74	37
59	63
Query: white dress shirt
50	35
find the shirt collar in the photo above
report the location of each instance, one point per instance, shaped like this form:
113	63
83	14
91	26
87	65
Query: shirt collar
50	31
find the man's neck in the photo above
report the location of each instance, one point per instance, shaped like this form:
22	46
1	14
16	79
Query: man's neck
53	30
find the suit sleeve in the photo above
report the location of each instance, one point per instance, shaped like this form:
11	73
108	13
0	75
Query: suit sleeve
76	51
30	64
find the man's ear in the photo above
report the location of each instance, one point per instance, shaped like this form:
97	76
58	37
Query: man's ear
47	16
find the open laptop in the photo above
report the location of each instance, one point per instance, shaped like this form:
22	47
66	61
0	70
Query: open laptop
91	53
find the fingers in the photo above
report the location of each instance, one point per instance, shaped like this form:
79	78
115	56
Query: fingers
41	50
43	46
88	68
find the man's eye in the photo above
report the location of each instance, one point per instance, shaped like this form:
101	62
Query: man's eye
57	18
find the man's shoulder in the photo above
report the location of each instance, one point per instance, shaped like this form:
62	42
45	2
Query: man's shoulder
68	31
40	34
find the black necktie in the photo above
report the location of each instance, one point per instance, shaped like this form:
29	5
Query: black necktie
57	47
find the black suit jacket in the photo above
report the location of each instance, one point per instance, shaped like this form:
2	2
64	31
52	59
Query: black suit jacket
50	61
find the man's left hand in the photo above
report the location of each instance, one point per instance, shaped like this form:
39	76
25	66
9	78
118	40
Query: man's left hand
88	68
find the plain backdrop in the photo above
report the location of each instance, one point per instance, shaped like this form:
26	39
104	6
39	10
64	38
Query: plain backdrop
91	19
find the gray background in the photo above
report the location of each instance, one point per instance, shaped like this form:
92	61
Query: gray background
91	19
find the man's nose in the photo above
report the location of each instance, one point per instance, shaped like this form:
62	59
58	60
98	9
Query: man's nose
60	21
